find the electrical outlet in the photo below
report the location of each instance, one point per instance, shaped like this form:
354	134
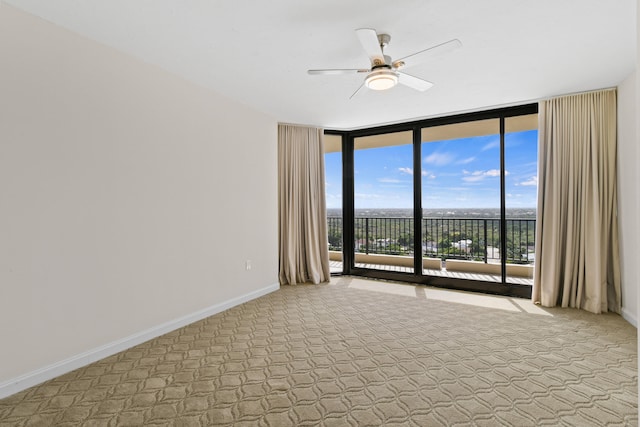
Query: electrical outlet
247	265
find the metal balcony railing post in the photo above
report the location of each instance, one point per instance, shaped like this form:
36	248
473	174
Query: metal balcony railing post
485	241
366	234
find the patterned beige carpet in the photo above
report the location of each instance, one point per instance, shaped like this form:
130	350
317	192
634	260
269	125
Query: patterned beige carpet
358	353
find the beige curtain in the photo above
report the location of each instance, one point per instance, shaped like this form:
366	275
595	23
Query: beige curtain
304	253
577	262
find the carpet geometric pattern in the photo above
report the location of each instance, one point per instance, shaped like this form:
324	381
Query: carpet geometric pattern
352	353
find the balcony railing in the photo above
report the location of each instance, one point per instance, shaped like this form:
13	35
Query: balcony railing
475	239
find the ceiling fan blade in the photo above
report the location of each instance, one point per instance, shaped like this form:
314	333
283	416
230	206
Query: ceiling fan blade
414	82
423	55
358	90
336	71
369	40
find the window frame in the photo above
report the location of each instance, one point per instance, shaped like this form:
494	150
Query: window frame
348	210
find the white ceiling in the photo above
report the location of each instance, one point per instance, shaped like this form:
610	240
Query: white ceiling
257	52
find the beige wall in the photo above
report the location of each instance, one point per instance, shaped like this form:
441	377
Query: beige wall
638	128
628	211
637	195
129	197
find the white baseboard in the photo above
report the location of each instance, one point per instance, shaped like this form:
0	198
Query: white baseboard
630	316
38	376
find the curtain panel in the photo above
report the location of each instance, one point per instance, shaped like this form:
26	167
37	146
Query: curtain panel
577	258
302	231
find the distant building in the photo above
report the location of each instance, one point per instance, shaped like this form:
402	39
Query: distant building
383	243
361	245
463	245
430	247
493	253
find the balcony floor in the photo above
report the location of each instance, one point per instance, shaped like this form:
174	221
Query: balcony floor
336	267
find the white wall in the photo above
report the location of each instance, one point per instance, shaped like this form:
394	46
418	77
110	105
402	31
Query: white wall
628	212
128	198
638	141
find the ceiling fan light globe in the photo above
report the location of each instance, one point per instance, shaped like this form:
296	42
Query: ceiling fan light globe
381	80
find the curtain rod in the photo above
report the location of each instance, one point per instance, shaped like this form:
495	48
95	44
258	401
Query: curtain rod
529	101
300	125
580	93
532	100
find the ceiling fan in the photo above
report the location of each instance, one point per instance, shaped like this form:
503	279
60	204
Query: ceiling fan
384	73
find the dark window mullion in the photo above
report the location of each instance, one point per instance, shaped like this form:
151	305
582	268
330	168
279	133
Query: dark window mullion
348	216
417	202
503	211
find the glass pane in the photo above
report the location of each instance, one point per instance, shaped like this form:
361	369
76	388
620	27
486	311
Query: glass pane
383	202
461	200
333	194
521	185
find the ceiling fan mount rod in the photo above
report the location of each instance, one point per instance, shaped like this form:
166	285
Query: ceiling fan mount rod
384	40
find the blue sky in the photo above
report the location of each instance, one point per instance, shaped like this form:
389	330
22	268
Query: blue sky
462	173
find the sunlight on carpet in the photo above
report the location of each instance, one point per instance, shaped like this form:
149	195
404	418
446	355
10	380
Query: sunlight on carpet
459	297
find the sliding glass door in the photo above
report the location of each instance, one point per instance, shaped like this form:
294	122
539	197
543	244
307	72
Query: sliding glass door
521	190
333	197
383	202
461	200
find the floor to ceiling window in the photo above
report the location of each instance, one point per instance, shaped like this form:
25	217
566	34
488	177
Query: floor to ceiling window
461	199
448	201
521	193
333	196
383	201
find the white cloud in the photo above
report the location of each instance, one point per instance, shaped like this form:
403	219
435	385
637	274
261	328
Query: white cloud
492	144
439	159
473	178
409	171
476	176
465	161
531	181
